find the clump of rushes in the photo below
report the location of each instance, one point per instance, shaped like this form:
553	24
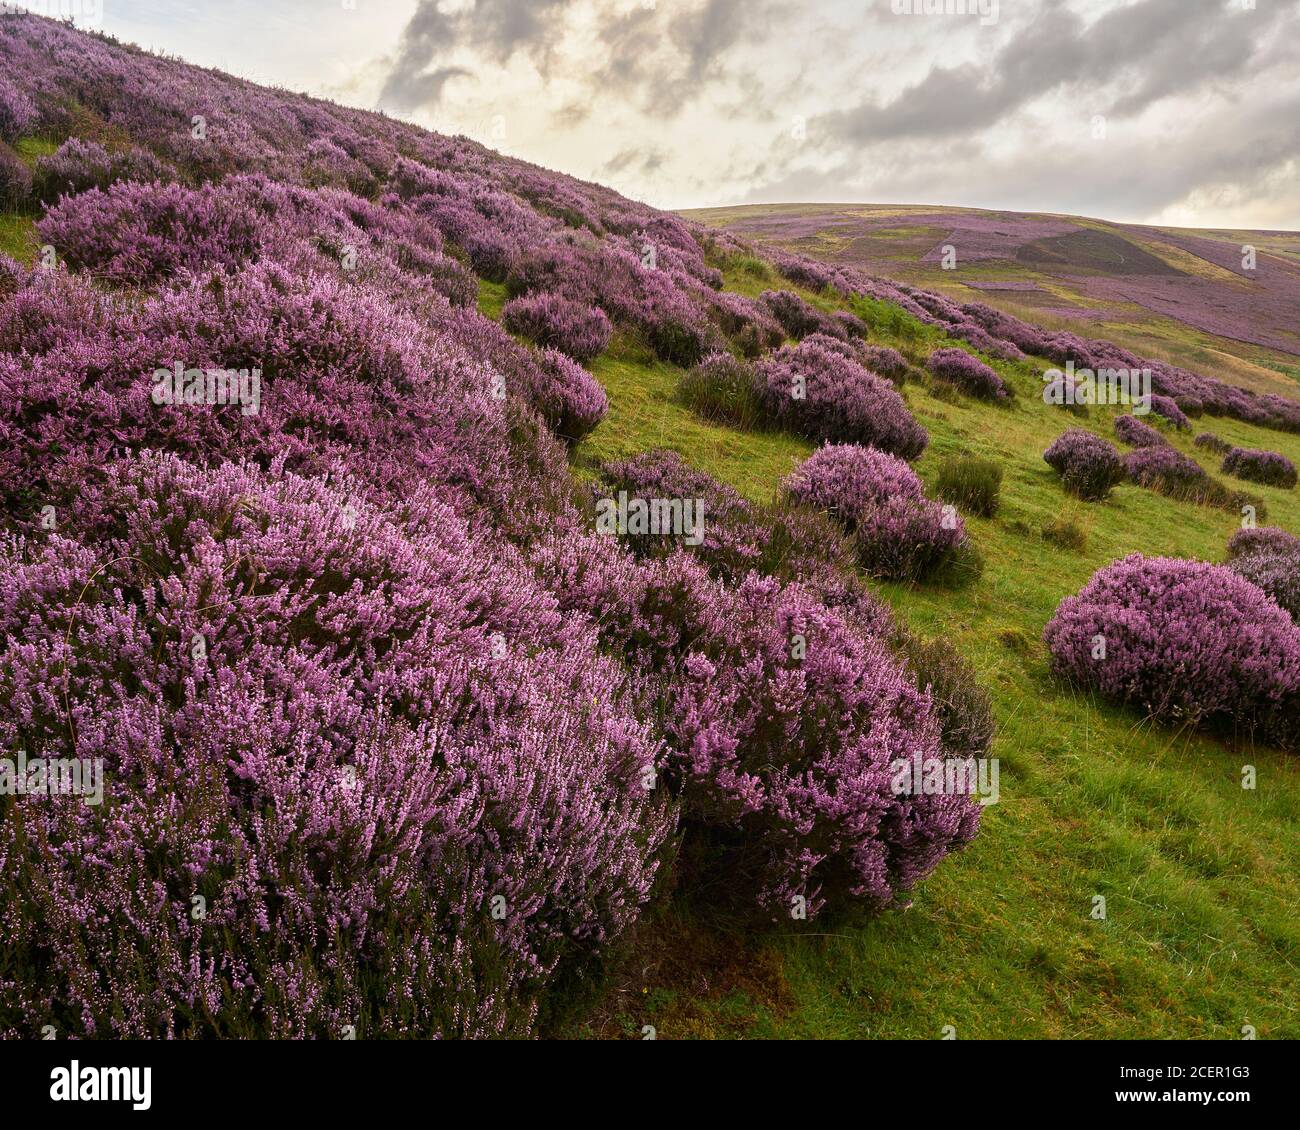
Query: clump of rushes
973	484
721	389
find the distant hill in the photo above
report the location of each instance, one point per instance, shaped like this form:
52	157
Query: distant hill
1180	293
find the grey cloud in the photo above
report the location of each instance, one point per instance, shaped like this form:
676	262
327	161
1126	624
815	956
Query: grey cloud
1145	52
497	30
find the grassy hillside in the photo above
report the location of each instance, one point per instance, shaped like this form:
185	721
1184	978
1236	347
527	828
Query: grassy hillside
1200	875
344	586
1174	293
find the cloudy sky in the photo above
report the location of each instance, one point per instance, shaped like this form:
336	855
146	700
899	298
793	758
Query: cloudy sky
1173	111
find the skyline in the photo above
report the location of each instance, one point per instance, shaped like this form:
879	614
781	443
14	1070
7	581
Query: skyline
1144	111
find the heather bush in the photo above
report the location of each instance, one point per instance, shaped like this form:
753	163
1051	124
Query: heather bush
349	732
898	534
798	318
1167	408
973	484
721	389
1212	442
747	323
554	322
1089	466
968	373
1277	572
17	113
813	391
1268	467
75	166
889	363
569	399
848	481
1266	539
139	234
15	180
916	540
783	722
329	164
677	335
1168	471
1185	641
724	531
1135	433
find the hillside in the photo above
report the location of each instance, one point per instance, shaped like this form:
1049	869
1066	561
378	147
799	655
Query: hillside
394	738
1183	294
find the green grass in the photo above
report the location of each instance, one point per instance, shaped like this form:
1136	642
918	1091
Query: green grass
30	149
18	237
1200	875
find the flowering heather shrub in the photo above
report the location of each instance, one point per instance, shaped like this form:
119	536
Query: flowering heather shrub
914	540
1213	443
137	233
1277	572
15	180
1185	641
329	164
1161	467
77	166
781	755
1268	467
721	388
554	322
968	373
1089	466
849	481
1262	539
799	318
898	534
732	535
677	334
851	324
1166	407
569	399
1135	433
17	113
841	402
385	726
889	363
747	323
